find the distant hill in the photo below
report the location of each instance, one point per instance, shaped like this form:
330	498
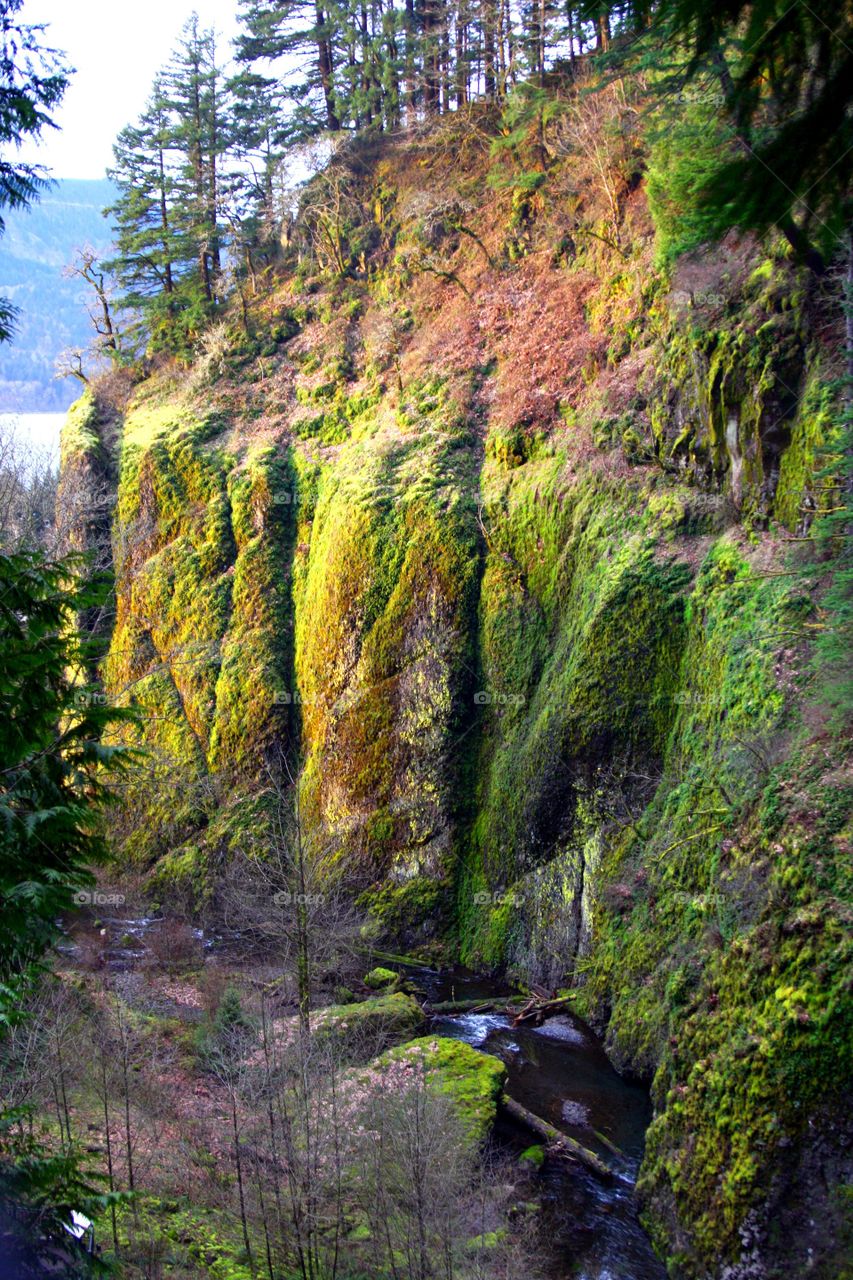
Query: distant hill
37	245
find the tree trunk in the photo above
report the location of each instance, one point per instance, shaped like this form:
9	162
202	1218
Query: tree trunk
241	1195
549	1133
326	63
164	225
108	1139
489	31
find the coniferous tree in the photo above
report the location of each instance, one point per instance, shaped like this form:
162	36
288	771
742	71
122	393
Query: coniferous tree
149	252
53	778
298	35
167	218
196	95
257	134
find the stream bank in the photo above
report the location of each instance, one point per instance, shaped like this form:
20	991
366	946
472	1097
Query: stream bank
560	1072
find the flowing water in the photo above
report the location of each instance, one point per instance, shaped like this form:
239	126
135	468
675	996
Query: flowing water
560	1072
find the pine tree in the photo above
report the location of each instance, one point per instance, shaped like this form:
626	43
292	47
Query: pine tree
301	34
257	134
54	762
148	262
196	94
167	218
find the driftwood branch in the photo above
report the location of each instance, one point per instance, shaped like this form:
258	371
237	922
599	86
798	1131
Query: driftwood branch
538	1009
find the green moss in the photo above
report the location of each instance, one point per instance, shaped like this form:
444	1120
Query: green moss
487	1241
383	599
400	909
581	625
79	434
801	492
194	1238
708	964
256	652
534	1156
390	1016
183	878
472	1080
380	977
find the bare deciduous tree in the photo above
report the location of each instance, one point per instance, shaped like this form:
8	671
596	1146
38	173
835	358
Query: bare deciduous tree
283	894
28	482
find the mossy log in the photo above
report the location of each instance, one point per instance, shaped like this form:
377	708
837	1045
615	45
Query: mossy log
391	957
556	1138
472	1006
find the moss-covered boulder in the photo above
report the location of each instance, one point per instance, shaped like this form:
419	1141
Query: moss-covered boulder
533	1157
488	1240
380	977
390	1016
473	1080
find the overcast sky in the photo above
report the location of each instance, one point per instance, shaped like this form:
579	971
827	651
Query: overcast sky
116	46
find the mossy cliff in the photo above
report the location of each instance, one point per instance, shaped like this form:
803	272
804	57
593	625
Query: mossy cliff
496	536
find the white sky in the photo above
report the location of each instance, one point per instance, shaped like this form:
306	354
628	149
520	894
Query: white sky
117	47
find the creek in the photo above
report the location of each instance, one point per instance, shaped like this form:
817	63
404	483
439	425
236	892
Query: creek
560	1072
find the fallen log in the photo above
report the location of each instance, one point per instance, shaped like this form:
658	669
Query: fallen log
471	1006
390	957
606	1142
561	1141
537	1010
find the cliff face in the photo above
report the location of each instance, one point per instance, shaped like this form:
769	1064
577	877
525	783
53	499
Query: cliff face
494	536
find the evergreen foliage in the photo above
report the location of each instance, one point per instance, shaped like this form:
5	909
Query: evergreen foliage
168	214
780	77
53	779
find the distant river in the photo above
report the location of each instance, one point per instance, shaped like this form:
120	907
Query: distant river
38	432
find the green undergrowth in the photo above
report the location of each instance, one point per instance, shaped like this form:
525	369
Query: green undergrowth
186	1238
